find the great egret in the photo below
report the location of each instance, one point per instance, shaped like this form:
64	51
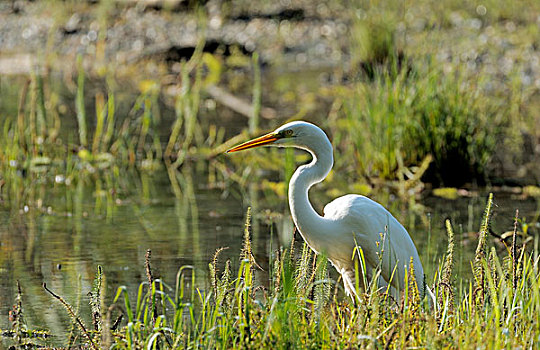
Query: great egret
349	222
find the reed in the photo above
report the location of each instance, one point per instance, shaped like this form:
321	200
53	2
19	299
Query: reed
480	256
400	112
80	105
445	285
257	92
299	309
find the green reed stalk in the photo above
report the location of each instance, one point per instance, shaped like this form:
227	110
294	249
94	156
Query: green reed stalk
177	126
96	299
79	104
110	123
254	119
513	253
191	108
32	137
446	278
21	127
302	270
41	115
100	122
145	122
480	254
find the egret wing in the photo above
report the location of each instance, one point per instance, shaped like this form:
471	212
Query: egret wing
384	241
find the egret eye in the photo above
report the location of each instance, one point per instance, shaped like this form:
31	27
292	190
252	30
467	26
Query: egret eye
288	133
344	217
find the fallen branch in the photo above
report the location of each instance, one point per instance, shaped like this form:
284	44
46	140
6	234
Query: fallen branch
237	104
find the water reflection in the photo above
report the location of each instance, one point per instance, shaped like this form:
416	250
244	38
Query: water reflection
86	227
63	233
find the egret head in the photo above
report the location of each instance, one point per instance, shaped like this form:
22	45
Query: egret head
297	134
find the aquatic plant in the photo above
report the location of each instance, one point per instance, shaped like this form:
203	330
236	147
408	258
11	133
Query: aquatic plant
416	115
299	309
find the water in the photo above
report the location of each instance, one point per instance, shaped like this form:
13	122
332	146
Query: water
58	247
60	233
73	230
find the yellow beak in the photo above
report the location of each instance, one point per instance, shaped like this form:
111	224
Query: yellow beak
259	141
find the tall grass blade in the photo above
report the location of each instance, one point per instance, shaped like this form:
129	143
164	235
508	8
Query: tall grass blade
254	119
96	299
445	283
100	123
79	104
480	255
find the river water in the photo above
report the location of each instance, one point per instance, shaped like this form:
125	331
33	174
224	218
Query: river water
64	231
73	230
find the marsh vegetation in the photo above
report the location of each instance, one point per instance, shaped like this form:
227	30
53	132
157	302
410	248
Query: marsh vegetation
111	146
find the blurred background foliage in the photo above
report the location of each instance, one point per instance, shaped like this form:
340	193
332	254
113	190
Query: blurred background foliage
115	115
440	82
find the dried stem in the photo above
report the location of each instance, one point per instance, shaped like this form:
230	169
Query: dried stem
514	253
150	282
73	315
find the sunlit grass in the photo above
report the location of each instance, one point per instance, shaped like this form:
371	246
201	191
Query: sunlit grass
412	115
401	114
303	308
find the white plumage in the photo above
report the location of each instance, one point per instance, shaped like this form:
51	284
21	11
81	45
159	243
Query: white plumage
384	241
350	221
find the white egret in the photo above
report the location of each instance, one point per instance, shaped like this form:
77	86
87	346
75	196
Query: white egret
348	222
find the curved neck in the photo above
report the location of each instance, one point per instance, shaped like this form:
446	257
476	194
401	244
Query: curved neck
307	220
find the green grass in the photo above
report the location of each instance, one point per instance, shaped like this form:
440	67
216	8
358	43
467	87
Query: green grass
411	114
303	307
38	144
403	116
416	115
419	114
417	93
